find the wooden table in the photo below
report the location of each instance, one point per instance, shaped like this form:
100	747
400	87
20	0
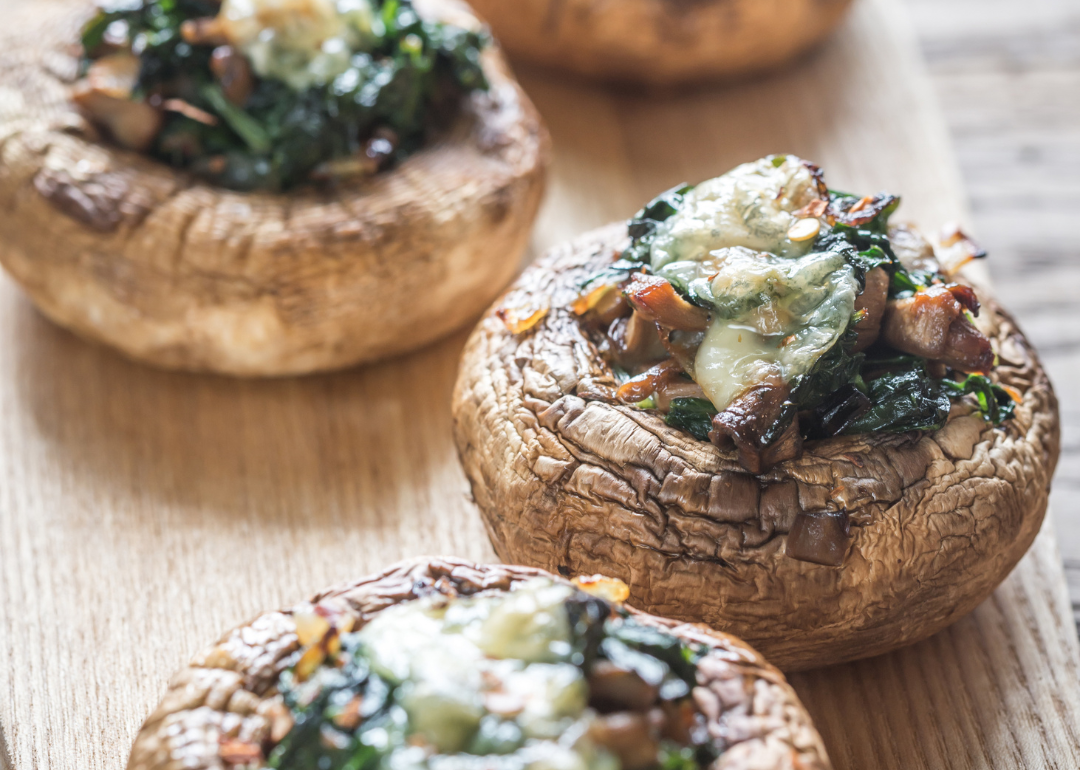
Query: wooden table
142	513
1007	76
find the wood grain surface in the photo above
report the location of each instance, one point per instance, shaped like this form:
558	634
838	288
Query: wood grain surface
1007	76
143	513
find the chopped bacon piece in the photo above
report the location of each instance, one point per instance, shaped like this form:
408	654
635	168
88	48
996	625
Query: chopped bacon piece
657	300
871	302
931	324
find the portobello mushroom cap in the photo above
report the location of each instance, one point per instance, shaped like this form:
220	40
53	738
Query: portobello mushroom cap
660	42
229	692
176	272
571	481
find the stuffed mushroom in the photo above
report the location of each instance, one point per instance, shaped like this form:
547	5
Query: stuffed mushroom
765	407
257	187
443	664
660	42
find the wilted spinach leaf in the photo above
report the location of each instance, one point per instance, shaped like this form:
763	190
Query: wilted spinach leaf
994	402
642	227
839	366
410	79
694	415
325	734
905	400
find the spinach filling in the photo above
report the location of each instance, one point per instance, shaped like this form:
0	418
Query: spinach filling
352	712
400	79
845	392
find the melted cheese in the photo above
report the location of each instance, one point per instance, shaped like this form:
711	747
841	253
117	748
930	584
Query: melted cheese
751	206
301	42
776	309
458	663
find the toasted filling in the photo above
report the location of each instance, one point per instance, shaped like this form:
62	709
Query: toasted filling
761	309
544	677
270	94
772	317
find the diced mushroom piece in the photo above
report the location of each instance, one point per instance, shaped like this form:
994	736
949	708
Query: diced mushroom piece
646	383
210	30
657	300
912	249
957	249
189	110
967	349
871	302
862	211
932	324
233	72
377	153
105	96
114	75
919	324
351	166
635	342
680	718
748	422
603	304
820	538
683	347
612	688
629	737
676	387
966	296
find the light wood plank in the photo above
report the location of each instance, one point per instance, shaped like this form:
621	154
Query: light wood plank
1008	77
141	513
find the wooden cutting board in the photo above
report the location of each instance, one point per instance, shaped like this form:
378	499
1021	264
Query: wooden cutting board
143	513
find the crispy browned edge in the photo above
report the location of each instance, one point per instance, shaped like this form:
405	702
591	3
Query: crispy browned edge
660	42
578	485
228	690
181	274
